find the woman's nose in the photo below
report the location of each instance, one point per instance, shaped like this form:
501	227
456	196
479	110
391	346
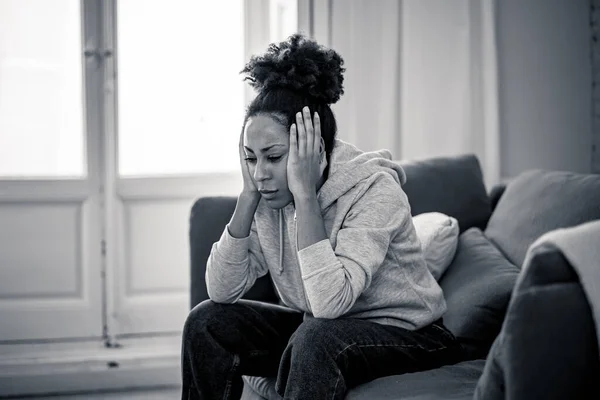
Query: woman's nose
261	172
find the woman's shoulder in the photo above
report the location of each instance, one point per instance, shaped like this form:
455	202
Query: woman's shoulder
382	183
380	187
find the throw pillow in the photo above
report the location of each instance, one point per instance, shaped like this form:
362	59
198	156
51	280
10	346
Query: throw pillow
438	234
539	201
452	185
477	286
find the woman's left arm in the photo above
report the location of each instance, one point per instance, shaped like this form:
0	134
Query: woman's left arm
334	277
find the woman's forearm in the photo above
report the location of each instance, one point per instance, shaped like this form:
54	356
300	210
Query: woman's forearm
309	222
227	276
241	221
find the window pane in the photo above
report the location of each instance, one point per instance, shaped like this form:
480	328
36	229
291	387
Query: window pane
41	109
181	98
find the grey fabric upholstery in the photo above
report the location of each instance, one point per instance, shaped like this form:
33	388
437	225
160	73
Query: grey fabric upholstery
537	202
450	185
547	348
448	382
477	287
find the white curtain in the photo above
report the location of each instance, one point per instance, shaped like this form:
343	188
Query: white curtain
421	75
595	30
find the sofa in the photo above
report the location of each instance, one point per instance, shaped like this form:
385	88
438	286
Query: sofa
525	314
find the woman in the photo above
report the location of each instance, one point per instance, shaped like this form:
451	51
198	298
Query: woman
332	226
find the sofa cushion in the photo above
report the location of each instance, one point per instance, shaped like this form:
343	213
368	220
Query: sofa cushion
448	382
438	234
477	286
451	185
539	201
456	382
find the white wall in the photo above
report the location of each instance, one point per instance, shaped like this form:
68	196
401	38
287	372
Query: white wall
544	85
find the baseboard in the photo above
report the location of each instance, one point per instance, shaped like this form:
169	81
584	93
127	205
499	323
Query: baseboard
52	368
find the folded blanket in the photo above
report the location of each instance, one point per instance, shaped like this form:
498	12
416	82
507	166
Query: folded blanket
581	247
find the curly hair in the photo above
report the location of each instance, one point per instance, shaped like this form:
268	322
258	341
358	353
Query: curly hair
292	74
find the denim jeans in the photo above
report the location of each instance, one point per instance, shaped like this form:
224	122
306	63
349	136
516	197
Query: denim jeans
313	359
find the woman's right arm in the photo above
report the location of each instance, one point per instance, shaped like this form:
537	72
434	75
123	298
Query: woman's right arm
236	260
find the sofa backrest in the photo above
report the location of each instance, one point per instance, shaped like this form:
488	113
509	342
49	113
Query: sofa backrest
538	201
452	185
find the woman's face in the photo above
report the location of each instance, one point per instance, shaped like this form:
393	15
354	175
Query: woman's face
266	144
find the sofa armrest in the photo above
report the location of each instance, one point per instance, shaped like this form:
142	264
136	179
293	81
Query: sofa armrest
208	218
547	348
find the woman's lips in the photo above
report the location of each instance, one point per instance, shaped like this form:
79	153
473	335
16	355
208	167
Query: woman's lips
268	194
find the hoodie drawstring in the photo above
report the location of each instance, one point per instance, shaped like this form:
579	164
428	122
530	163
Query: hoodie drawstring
280	240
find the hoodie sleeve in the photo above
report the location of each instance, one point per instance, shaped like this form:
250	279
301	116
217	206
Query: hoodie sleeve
233	266
335	277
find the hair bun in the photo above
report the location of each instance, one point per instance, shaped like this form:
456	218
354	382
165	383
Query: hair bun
298	64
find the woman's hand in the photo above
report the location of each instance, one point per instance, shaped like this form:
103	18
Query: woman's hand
303	160
249	187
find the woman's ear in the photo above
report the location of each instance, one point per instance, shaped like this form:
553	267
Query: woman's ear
323	159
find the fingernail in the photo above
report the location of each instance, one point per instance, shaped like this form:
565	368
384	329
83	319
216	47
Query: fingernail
316	114
306	110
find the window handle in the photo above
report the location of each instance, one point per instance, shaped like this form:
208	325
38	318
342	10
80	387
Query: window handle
98	53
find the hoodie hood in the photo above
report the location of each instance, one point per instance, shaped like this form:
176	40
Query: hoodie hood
348	166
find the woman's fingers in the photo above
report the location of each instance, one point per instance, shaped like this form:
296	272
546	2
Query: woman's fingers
317	134
293	142
308	125
301	135
308	132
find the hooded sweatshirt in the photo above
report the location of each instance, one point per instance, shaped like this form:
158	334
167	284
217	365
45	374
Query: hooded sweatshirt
370	267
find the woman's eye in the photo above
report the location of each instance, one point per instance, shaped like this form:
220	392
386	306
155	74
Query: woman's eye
250	159
274	158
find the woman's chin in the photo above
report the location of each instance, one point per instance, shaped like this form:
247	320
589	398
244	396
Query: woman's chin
277	202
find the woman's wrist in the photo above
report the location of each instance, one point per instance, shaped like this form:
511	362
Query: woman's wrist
241	221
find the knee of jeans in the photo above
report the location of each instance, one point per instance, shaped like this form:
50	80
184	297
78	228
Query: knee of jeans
315	334
200	316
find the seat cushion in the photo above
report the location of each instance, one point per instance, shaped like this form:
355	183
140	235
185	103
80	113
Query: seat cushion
438	234
456	382
539	201
448	382
451	185
477	286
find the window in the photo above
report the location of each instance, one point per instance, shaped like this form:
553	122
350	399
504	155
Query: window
180	95
180	98
41	90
